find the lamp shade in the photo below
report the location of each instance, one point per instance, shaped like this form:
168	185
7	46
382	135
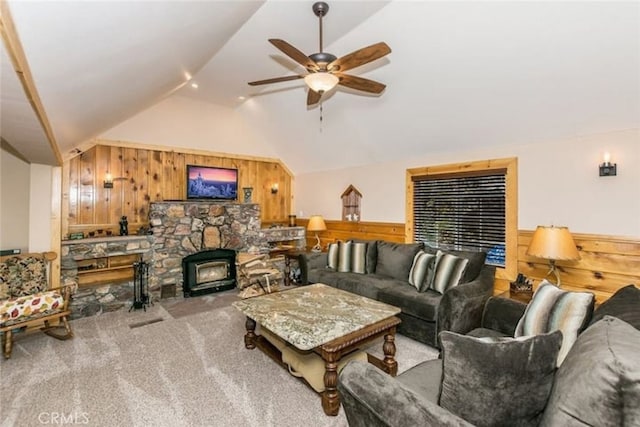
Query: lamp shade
316	223
321	82
554	243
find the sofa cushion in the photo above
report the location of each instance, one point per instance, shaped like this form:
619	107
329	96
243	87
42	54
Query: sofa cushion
395	259
504	382
553	309
366	285
624	304
423	305
323	275
19	309
599	382
421	272
424	379
23	276
449	270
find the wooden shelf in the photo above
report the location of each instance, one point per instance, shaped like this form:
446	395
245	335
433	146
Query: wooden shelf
107	269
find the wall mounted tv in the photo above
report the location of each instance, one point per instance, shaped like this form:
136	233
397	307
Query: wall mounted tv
209	182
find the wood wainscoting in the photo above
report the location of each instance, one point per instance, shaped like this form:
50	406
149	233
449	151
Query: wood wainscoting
345	230
607	263
145	174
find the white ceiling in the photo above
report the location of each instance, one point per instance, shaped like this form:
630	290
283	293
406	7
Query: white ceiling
460	74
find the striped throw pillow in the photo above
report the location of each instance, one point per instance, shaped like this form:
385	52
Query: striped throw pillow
358	257
553	309
332	256
449	270
344	256
421	270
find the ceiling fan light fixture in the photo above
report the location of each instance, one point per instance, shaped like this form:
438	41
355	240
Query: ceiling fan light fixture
321	82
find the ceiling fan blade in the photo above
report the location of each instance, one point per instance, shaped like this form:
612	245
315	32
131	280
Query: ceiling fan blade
360	83
275	80
360	57
295	54
313	97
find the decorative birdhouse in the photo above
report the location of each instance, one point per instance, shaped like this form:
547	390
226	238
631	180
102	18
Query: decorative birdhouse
351	199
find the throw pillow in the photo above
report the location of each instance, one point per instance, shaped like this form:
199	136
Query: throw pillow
332	256
553	309
372	254
599	382
344	256
421	271
395	259
449	269
506	382
624	304
359	257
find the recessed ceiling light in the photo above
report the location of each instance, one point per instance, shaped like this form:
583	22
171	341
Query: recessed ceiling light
242	98
194	85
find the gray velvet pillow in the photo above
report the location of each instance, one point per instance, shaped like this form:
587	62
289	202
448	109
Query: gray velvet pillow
491	382
395	259
599	382
624	304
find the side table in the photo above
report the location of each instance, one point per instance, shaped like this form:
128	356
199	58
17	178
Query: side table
296	255
524	297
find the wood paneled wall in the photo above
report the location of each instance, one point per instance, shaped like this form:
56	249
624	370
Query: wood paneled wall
606	263
142	175
345	230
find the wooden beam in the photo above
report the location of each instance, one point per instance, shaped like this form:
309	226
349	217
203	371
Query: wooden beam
21	67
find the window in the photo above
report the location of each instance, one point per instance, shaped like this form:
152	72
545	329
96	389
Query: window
463	212
467	206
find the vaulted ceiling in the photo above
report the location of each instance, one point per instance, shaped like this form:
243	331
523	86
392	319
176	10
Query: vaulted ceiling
460	74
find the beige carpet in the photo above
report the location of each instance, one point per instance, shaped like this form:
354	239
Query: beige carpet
186	371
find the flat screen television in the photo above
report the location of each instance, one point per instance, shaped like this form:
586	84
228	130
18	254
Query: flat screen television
210	182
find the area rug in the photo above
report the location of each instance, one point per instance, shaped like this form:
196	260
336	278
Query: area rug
151	369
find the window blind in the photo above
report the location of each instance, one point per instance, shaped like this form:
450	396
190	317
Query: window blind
462	212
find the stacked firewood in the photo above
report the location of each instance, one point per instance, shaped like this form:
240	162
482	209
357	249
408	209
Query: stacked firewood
257	274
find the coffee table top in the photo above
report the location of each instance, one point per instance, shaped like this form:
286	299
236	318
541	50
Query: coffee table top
310	316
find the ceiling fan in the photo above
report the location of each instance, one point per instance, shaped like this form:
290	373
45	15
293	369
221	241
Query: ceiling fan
325	70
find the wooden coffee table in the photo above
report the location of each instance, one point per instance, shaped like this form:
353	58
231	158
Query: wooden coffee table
328	321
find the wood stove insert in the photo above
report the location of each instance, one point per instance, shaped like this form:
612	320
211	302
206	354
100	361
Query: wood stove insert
209	271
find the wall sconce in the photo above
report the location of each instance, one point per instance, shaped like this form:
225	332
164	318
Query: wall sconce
607	168
274	188
108	180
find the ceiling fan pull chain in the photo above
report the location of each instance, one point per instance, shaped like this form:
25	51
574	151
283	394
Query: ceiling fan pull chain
321	117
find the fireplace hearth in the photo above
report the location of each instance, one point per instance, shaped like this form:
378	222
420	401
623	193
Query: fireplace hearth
209	271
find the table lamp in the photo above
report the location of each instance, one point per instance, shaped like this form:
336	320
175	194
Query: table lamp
316	223
554	244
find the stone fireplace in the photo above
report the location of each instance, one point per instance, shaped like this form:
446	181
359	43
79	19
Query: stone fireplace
184	228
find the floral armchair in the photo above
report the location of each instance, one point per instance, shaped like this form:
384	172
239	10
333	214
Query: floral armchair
26	298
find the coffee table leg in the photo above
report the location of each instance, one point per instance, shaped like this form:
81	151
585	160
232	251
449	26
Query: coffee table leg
330	398
389	349
250	337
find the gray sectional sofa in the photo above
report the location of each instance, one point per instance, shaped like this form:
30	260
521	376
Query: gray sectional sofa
597	384
424	314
